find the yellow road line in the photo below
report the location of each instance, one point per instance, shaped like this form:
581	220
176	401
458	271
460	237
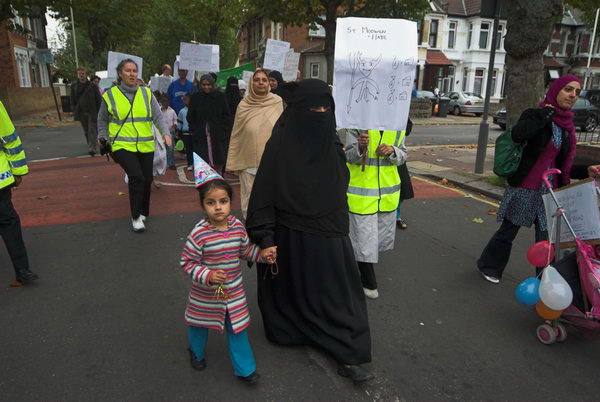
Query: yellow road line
493	204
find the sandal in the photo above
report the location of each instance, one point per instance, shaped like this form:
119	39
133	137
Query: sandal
401	224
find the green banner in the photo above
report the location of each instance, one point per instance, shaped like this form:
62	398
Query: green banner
237	72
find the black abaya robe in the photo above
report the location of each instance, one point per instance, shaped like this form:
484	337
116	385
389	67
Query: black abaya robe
298	203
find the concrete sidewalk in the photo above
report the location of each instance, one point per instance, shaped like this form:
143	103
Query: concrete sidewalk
453	165
450	120
48	118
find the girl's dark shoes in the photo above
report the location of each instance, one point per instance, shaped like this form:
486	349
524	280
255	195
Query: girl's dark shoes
355	373
251	379
196	364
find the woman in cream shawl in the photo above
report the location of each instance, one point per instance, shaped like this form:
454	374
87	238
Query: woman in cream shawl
256	115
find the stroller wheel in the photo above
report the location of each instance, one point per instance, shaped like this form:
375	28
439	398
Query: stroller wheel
546	334
561	332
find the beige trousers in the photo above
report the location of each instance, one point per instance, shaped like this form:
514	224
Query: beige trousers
246	183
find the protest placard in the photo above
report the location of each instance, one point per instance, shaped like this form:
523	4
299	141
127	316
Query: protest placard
190	74
580	202
275	54
114	58
247	76
290	67
374	71
194	56
215	65
237	72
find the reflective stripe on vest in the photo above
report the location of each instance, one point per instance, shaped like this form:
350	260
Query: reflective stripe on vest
131	131
12	155
377	189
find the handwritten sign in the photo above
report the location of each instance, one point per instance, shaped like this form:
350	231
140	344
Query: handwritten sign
275	54
195	57
247	76
580	202
290	66
114	58
215	66
160	84
190	74
374	71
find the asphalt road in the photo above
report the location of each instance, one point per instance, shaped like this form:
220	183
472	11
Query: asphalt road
68	141
105	321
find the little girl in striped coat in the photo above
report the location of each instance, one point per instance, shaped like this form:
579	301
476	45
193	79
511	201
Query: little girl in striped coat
211	257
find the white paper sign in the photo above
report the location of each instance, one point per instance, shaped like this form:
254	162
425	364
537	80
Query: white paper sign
275	54
195	57
374	71
190	74
247	76
580	203
215	66
114	58
290	67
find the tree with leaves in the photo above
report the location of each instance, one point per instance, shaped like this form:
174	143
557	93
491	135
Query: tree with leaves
325	13
528	32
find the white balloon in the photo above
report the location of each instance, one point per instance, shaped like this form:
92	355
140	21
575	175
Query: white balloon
555	292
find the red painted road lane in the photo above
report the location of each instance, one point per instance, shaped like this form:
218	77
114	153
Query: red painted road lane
87	190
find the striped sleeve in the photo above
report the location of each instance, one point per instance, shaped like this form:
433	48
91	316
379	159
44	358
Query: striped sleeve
191	259
11	145
248	250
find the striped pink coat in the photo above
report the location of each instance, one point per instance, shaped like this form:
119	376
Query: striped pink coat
206	249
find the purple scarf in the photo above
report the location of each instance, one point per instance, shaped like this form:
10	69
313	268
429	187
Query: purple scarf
563	118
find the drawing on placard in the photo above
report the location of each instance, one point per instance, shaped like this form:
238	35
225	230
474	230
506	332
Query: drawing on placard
409	62
406	81
368	88
396	63
403	96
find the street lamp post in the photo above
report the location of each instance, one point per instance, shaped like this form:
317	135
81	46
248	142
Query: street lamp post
74	37
484	126
591	49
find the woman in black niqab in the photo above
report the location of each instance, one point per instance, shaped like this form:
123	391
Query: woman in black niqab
232	93
299	204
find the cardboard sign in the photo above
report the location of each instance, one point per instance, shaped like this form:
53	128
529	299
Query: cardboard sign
114	58
375	60
193	56
215	65
290	67
190	74
580	202
275	54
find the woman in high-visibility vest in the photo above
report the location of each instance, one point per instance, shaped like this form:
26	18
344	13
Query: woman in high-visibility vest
373	196
126	116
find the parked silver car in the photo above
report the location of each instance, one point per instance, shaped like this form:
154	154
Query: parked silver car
465	102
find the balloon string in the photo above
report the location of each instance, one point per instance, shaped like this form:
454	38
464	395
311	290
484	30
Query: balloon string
273	268
550	243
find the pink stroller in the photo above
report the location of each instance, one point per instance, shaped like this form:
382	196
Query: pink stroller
582	271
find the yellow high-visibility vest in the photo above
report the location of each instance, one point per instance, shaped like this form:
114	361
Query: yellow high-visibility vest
377	189
130	124
12	156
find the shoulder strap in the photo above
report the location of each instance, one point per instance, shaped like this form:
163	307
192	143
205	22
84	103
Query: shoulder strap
125	119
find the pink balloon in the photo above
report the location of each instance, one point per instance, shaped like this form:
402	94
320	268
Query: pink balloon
540	254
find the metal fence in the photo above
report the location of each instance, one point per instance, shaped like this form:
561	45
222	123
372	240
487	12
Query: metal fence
591	137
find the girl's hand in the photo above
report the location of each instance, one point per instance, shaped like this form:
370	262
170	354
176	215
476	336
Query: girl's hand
216	277
269	254
593	171
385	150
168	141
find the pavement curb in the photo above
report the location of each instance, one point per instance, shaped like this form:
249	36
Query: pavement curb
476	186
444	124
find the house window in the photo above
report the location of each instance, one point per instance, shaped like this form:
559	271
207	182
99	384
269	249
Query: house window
465	79
483	35
319	32
280	31
478	83
503	84
499	40
22	59
450	80
494	75
433	31
439	79
470	36
563	42
578	44
451	34
315	70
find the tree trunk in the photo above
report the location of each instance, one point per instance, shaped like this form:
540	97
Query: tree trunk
213	31
529	29
330	26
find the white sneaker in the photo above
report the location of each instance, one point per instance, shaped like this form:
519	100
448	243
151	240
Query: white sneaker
143	218
138	224
489	278
190	168
371	294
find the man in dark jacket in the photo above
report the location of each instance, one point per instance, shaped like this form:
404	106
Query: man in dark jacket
86	100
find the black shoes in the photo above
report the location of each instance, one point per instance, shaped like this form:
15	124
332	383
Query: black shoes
196	364
251	379
24	277
355	373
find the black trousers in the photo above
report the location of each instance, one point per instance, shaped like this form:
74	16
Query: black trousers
495	255
10	230
138	166
367	275
189	148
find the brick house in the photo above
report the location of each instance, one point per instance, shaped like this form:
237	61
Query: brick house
24	82
252	36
